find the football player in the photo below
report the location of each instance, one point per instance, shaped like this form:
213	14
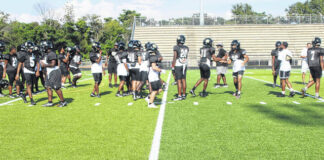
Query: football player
10	68
143	60
275	63
122	68
2	49
305	67
316	66
133	65
64	60
29	62
207	54
179	63
239	58
38	56
285	60
112	65
76	60
96	67
221	66
53	76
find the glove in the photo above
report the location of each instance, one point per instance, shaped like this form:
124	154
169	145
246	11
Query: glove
163	71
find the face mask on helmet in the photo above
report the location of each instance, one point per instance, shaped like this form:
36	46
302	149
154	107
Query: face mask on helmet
317	42
181	39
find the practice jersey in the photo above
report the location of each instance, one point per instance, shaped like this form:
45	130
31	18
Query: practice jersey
221	54
61	58
77	58
132	59
12	62
182	52
47	59
304	54
111	54
145	61
95	67
313	56
121	59
285	60
206	54
29	60
153	75
275	53
237	58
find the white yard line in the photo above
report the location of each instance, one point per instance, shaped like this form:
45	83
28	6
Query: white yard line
296	102
155	148
263	103
308	95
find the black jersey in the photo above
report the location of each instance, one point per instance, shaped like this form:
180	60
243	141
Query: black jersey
206	54
111	54
182	54
275	53
154	58
145	56
77	58
49	57
132	57
239	55
221	54
121	57
313	56
12	62
29	60
62	56
94	57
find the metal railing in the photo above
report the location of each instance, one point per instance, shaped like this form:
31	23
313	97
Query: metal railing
235	20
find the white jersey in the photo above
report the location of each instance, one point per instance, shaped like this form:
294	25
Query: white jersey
304	54
153	75
96	67
285	63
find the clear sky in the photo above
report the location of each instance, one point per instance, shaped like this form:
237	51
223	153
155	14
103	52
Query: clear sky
24	10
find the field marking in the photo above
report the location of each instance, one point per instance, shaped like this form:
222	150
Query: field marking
296	102
130	104
229	103
196	103
263	103
155	148
97	104
308	95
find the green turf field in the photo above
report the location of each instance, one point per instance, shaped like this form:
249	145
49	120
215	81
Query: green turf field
219	127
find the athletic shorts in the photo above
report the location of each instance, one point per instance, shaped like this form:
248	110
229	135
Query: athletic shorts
75	71
12	78
144	76
54	79
180	72
239	73
123	78
134	74
221	69
64	71
29	78
204	71
112	68
284	74
97	77
156	85
316	72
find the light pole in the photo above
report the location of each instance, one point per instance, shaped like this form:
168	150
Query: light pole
201	13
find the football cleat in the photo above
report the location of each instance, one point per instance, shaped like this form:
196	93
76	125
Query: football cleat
217	86
225	86
281	95
62	104
23	96
48	104
119	95
179	98
11	96
32	102
116	85
192	92
152	106
292	94
110	85
92	95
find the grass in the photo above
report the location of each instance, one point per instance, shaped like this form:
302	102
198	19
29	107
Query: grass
213	129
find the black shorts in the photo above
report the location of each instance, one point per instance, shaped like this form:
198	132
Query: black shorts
156	85
97	77
123	78
29	78
284	74
64	71
75	71
239	73
134	74
204	71
316	72
277	67
53	81
12	78
112	68
180	72
144	76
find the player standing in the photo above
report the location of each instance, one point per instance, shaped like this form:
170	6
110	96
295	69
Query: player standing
2	49
275	63
305	67
316	66
122	68
133	65
180	62
112	64
96	68
221	66
76	60
143	60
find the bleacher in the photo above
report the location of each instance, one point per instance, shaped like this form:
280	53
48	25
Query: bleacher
258	40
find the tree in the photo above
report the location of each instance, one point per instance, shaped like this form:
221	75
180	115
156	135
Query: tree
308	7
127	18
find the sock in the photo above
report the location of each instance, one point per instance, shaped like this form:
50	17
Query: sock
50	102
283	92
236	85
239	92
305	88
316	94
194	88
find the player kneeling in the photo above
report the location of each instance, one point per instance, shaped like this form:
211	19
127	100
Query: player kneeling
154	77
239	58
285	58
207	52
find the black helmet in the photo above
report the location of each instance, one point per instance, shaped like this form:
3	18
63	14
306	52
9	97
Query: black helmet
96	46
131	44
147	45
236	43
36	48
208	42
2	46
22	47
278	44
29	45
69	49
121	46
4	83
285	44
153	47
45	45
181	39
137	44
317	41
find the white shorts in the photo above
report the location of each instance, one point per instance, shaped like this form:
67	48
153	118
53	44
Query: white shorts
221	69
305	67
